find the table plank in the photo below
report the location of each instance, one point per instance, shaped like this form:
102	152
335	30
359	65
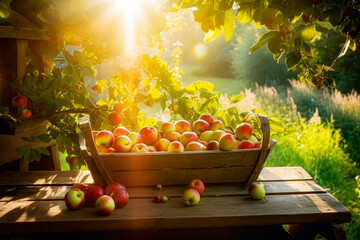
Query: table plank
70	177
22	193
47	216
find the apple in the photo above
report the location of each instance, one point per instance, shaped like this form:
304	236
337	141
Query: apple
191	197
195	146
19	101
101	149
120	197
162	144
159	186
75	199
187	137
200	126
172	136
213	145
217	135
167	127
217	125
183	126
111	187
227	130
118	106
24	113
207	117
140	147
198	185
203	143
244	144
164	199
94	133
152	149
175	146
115	118
243	131
135	138
93	192
258	144
109	150
121	131
80	186
256	191
105	205
148	134
157	199
237	144
227	142
104	138
253	139
122	144
206	136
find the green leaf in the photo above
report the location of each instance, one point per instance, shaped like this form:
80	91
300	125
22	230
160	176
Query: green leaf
22	150
292	59
306	49
229	24
190	89
64	102
155	93
259	111
4	10
27	139
236	98
305	32
274	44
202	85
323	27
333	15
44	138
263	39
275	125
223	5
150	121
243	14
44	151
36	154
330	82
211	35
28	156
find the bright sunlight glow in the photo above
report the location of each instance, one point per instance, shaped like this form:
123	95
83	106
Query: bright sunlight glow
200	50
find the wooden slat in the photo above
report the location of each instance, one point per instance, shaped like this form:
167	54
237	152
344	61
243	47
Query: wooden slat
70	177
22	193
206	159
22	33
47	216
174	177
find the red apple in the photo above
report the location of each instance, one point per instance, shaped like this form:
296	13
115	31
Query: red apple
191	197
115	118
183	126
19	101
217	125
213	145
140	147
105	205
244	144
157	199
217	135
121	131
120	197
227	142
258	144
152	149
200	126
118	106
162	144
24	113
104	138
80	186
206	136
175	146
172	136
92	194
94	133
75	199
195	146
187	137
111	187
168	127
135	138
149	134
109	150
198	185
203	143
122	144
207	117
243	131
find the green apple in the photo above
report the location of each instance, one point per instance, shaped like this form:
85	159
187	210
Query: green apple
256	191
105	205
253	139
191	197
75	199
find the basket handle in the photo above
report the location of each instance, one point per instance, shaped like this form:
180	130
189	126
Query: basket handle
86	133
265	128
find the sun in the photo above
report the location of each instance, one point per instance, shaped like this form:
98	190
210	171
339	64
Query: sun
200	50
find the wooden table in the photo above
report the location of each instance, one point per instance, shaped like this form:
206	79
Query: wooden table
32	203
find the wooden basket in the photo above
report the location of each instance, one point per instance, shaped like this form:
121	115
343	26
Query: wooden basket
149	169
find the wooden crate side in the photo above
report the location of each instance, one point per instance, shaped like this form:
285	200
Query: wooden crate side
151	161
180	176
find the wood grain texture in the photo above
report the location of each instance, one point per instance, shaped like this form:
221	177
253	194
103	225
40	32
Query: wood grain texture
22	33
47	216
268	174
22	193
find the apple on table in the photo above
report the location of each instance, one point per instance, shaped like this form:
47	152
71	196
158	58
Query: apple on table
75	199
